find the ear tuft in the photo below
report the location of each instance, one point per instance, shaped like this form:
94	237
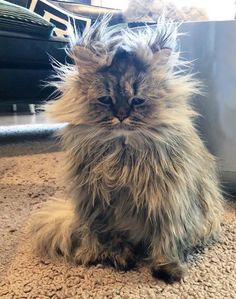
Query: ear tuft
162	57
88	60
97	46
163	37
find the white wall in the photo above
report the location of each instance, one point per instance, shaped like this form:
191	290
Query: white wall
217	9
121	4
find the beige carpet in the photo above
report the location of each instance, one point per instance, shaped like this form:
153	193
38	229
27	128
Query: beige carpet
28	177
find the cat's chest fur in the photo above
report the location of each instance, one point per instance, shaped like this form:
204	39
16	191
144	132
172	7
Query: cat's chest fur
108	167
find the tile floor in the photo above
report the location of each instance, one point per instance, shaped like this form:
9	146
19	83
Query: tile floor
22	119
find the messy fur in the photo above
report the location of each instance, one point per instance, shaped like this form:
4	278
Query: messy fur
144	187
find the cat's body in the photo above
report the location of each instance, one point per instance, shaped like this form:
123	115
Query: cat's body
141	183
151	10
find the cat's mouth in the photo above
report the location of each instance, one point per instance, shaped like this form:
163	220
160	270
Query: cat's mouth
120	126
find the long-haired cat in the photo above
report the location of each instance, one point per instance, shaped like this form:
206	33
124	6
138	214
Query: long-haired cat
141	184
151	10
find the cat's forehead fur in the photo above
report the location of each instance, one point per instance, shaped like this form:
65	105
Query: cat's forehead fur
103	46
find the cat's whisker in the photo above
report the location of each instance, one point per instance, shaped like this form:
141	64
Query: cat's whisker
136	122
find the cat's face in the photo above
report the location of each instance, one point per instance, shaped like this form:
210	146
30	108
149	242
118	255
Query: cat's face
119	97
126	95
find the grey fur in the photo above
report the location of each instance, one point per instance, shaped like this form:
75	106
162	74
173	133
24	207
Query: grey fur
146	188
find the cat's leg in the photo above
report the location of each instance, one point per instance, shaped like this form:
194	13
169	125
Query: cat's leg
167	246
105	248
166	269
95	238
120	252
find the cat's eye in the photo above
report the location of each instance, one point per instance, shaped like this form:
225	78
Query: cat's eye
106	100
137	101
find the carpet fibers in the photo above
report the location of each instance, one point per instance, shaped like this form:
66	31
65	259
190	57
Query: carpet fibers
27	178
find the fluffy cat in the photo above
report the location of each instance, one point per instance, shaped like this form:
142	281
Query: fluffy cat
151	10
141	184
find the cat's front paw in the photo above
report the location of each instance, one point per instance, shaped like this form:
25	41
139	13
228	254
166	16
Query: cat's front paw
121	262
170	273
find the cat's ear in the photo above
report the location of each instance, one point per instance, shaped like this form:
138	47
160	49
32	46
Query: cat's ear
89	61
95	48
162	57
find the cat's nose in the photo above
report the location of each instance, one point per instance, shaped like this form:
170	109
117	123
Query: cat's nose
122	113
